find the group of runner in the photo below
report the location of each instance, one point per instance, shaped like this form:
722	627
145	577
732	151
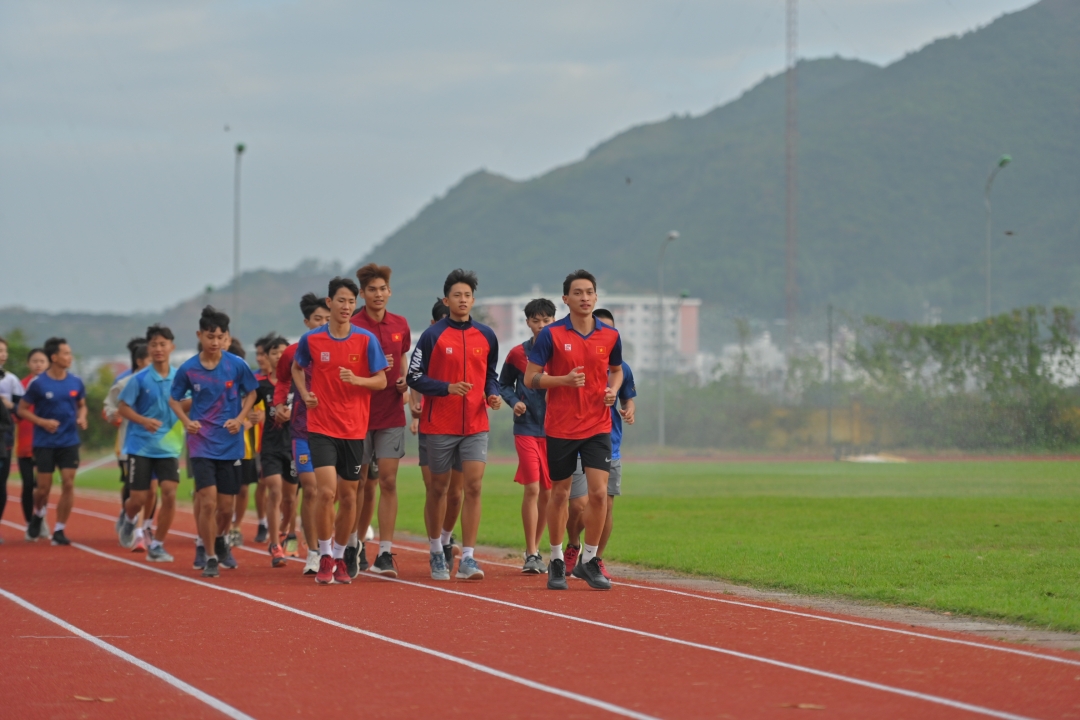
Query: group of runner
324	421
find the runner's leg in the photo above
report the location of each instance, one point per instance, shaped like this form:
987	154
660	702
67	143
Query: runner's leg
167	511
67	495
26	470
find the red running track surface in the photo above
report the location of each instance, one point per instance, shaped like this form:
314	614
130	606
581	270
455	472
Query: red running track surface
269	643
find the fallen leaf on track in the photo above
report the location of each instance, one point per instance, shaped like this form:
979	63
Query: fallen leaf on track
803	706
84	699
107	699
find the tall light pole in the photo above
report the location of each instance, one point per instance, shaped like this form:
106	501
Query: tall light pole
791	168
660	340
236	237
1002	162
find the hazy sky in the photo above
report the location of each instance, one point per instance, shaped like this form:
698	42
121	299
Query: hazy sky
116	169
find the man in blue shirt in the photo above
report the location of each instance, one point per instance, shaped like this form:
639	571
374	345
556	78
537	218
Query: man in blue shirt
222	389
59	402
152	443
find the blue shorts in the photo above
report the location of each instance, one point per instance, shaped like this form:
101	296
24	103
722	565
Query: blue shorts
302	456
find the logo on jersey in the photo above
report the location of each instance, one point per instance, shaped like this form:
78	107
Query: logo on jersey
566	347
396	337
325	357
49	395
354	358
450	351
478	350
74	393
197	387
599	349
228	384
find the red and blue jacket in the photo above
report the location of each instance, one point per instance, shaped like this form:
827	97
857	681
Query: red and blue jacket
513	389
452	352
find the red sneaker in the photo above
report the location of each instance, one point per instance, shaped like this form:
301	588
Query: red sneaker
570	557
603	569
277	557
341	575
325	576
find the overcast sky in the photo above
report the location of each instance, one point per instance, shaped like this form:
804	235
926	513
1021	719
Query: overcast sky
116	168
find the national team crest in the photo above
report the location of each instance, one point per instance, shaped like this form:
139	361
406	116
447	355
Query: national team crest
566	347
396	337
228	383
478	350
354	358
599	349
449	351
74	393
325	357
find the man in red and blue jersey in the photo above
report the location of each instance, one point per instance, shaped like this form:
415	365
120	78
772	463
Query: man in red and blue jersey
347	365
222	389
289	407
528	406
453	367
578	360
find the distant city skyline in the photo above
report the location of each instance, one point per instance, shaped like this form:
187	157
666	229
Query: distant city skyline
116	165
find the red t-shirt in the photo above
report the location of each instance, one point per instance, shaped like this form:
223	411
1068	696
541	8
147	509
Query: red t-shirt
387	405
577	413
24	443
343	408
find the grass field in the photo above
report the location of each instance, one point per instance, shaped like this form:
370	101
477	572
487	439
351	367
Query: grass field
995	539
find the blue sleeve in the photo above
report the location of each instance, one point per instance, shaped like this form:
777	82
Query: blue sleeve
181	385
82	390
491	385
376	356
418	379
130	393
32	396
508	383
615	357
246	378
542	348
303	353
627	390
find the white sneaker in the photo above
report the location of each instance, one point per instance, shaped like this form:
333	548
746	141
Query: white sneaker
370	534
311	567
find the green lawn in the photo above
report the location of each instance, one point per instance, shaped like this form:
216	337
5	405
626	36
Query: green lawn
996	539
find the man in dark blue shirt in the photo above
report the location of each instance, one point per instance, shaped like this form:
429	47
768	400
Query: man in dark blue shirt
58	399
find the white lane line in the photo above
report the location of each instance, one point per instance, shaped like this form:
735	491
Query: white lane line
176	682
593	702
754	606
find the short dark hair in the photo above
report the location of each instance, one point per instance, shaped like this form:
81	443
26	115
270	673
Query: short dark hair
52	346
604	314
459	276
578	275
213	319
34	352
274	342
340	282
138	350
540	307
439	310
237	348
310	303
373	271
261	342
157	330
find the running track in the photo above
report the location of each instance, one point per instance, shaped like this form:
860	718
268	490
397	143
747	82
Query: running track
140	640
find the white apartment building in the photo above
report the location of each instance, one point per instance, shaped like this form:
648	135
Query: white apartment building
635	315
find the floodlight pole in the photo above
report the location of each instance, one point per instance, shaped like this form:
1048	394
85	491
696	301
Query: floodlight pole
236	237
660	340
1002	162
828	422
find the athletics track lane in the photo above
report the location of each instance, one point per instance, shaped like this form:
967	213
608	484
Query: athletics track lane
685	681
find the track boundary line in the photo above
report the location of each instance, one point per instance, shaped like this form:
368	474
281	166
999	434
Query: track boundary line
157	672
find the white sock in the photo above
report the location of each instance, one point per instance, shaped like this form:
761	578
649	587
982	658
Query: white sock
466	552
556	552
149	524
41	513
155	544
59	526
211	557
445	537
354	540
131	519
262	522
234	518
436	545
385	547
198	542
325	547
588	552
339	551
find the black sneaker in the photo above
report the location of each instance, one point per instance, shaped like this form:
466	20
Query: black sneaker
591	573
361	560
211	569
220	547
261	534
200	558
58	538
351	565
33	530
384	565
557	575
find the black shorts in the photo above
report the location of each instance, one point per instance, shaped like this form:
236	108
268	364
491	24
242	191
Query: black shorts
563	454
222	474
50	459
345	455
142	470
279	463
249	472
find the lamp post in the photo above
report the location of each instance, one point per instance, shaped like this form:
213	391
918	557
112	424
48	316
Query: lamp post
1002	162
236	236
660	344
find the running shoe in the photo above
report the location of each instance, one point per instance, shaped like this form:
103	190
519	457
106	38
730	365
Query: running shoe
590	573
468	569
350	561
384	565
158	554
370	534
448	555
292	546
211	569
325	576
556	575
277	558
219	546
59	538
341	574
361	559
570	558
312	565
261	534
120	520
227	560
127	534
139	545
200	558
148	535
603	569
439	571
236	538
44	534
534	565
33	528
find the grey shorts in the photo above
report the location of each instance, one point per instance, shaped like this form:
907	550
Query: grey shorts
388	444
579	486
421	440
450	451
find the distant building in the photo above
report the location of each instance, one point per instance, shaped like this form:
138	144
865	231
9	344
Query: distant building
635	315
